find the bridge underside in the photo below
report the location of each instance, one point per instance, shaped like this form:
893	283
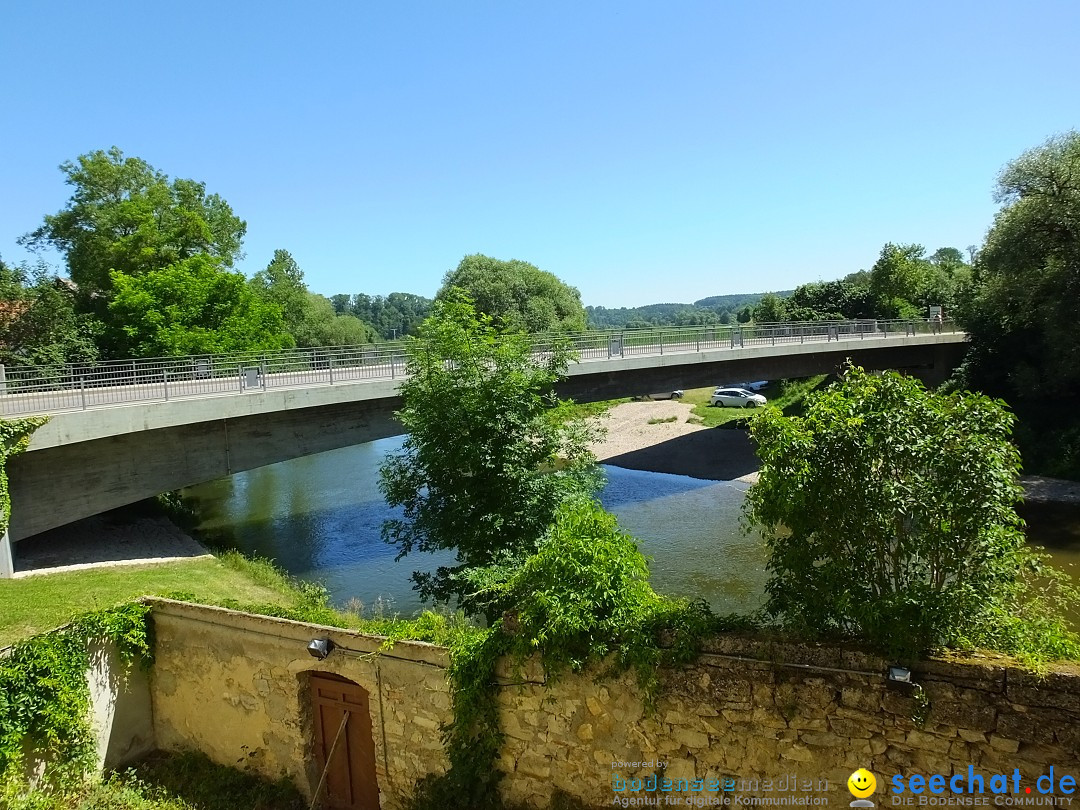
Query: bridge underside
53	486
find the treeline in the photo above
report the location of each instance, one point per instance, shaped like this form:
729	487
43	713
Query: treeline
903	283
717	309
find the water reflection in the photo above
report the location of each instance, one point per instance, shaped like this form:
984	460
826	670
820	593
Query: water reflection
320	518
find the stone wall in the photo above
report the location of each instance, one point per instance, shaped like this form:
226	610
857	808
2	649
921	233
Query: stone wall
747	719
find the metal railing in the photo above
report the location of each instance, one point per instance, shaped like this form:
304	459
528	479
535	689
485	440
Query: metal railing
47	389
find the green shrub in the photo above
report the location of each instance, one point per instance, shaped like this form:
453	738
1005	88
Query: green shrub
889	515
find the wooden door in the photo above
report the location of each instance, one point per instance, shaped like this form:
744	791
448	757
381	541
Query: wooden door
350	780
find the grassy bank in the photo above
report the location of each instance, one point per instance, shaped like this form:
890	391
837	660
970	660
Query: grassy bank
34	604
787	395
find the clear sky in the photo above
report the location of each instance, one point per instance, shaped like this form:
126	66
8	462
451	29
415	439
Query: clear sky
643	152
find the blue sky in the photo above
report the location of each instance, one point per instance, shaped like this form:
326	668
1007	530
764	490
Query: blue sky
642	152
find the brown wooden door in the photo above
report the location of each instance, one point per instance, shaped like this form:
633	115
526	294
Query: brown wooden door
350	780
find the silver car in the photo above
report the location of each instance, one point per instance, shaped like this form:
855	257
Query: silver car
736	398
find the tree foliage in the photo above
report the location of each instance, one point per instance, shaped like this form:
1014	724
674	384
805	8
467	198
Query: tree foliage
309	318
126	217
192	307
518	295
485	464
38	321
1022	319
889	515
392	316
322	326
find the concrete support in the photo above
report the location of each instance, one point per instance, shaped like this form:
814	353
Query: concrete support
7	557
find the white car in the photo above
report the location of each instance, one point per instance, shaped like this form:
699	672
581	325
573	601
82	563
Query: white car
736	398
748	386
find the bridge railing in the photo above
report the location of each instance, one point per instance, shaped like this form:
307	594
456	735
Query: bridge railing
43	389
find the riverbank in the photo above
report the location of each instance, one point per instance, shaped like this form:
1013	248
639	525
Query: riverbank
640	437
665	437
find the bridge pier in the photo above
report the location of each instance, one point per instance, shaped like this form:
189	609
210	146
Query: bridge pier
7	557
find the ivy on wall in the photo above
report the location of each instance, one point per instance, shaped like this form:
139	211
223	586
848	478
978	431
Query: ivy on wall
14	437
44	695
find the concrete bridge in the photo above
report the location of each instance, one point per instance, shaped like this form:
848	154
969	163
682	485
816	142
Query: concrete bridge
122	432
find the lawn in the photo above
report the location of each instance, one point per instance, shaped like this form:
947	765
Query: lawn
32	604
784	394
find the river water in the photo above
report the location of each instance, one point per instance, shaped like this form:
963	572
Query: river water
320	516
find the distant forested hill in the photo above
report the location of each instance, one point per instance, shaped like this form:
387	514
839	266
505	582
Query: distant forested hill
715	309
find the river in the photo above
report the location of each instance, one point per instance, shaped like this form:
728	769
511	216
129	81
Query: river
320	516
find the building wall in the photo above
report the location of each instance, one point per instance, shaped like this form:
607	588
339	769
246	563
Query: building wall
234	686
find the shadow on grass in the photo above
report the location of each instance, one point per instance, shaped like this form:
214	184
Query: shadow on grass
204	785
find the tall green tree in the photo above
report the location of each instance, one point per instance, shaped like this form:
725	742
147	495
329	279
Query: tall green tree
282	284
518	295
192	307
889	514
770	309
486	463
896	280
126	216
1022	318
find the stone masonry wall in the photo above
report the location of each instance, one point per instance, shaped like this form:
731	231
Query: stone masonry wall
751	718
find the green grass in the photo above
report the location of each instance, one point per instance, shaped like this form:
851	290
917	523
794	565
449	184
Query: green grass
34	604
784	394
583	410
659	421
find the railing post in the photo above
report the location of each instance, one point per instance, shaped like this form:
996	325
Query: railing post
330	365
661	343
773	331
82	391
392	373
165	380
240	377
262	371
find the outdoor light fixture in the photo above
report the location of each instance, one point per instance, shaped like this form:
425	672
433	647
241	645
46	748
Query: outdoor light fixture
898	678
320	647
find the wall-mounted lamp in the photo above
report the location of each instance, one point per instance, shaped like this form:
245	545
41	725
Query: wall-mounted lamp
320	647
899	678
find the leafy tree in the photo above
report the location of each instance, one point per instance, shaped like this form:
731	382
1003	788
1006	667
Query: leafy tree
192	307
282	284
889	514
518	295
321	326
896	279
830	300
485	464
126	216
311	319
38	321
342	303
770	309
1022	318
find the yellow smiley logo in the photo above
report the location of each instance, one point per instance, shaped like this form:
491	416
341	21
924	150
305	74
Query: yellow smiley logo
861	783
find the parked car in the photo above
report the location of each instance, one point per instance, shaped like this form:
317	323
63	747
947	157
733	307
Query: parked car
747	386
736	398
